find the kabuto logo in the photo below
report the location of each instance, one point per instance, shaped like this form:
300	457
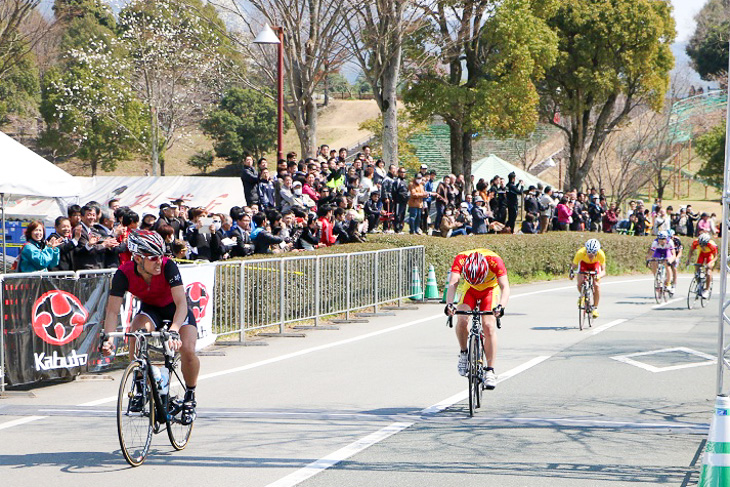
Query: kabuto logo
58	317
198	298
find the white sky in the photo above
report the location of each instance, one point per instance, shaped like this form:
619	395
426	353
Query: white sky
684	14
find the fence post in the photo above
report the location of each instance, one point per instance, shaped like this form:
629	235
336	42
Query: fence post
377	282
241	307
282	294
400	276
349	302
317	289
423	272
2	335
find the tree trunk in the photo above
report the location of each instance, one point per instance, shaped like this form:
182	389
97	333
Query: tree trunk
466	142
389	109
456	135
307	130
154	141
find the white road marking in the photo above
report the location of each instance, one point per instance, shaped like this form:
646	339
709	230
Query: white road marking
17	422
356	447
605	327
709	359
657	306
336	457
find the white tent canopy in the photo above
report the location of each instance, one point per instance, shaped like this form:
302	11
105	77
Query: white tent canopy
142	194
492	166
23	172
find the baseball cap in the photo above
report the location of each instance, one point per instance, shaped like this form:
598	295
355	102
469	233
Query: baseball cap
296	183
424	166
165	205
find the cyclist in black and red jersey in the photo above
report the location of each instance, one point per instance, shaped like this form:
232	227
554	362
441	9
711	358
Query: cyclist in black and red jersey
155	280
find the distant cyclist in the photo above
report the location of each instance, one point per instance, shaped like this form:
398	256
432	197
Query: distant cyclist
708	254
678	250
662	248
482	270
155	280
590	258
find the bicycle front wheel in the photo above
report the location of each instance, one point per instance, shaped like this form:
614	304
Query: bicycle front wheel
178	433
658	287
589	309
694	293
475	386
135	414
703	299
581	311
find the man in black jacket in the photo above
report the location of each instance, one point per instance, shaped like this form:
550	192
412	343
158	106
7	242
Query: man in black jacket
167	217
250	179
262	238
91	250
241	231
63	233
513	199
400	198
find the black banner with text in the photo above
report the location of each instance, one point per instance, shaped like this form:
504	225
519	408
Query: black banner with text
52	326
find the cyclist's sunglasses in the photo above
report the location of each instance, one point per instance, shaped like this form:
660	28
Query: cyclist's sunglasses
152	258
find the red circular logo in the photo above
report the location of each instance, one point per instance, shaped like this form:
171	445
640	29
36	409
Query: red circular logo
58	317
198	298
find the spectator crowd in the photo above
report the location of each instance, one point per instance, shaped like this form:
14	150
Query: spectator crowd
305	204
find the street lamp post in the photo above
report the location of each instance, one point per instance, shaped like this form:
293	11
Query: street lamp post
268	36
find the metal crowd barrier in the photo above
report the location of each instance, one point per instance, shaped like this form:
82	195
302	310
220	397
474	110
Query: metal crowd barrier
256	294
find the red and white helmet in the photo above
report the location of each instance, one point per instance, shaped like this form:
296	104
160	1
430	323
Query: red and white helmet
145	242
475	268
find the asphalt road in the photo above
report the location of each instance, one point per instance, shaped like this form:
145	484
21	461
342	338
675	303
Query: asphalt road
381	403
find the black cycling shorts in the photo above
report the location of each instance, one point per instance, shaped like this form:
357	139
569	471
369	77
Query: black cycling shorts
159	314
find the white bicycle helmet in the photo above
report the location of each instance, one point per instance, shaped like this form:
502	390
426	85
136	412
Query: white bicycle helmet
593	246
704	239
663	235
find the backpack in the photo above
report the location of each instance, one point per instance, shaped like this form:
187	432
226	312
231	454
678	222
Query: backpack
15	266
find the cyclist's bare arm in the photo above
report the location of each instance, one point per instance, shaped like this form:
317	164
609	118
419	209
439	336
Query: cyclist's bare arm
110	321
181	307
503	283
451	291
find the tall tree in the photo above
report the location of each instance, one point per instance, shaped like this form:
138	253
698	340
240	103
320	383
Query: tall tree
21	29
376	32
175	61
313	46
244	123
89	110
708	46
614	56
488	54
711	147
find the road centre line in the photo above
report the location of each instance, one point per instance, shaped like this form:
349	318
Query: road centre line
19	421
105	400
366	442
657	306
324	463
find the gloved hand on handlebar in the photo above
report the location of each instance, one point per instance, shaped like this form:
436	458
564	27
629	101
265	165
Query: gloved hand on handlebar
173	341
449	309
106	345
498	311
572	274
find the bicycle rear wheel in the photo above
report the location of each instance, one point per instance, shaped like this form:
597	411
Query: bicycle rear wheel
694	293
475	386
135	414
703	299
178	433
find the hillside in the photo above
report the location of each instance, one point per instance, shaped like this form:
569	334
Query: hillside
338	127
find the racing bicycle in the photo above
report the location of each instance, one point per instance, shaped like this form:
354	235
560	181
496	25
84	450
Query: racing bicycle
587	304
147	405
661	291
476	354
697	288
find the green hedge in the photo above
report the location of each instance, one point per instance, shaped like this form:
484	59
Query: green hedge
528	257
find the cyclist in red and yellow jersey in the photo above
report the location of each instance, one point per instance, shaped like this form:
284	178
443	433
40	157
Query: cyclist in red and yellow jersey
590	258
482	270
708	255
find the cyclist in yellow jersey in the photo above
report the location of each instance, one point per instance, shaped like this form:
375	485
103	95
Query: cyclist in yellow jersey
590	258
482	270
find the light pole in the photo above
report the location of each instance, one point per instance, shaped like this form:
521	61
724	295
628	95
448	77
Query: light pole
268	36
